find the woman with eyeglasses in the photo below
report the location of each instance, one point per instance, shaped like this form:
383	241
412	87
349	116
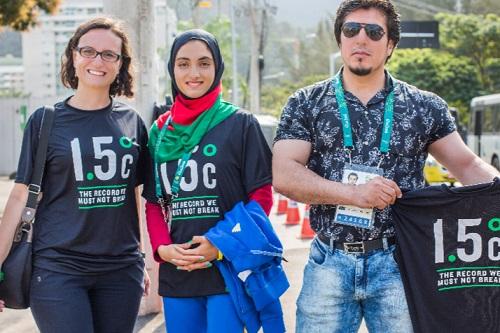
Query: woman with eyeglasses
88	271
208	156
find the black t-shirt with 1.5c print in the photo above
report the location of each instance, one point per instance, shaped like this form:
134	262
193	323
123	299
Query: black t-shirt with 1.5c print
87	220
231	161
448	253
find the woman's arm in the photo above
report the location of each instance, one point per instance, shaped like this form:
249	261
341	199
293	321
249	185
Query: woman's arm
10	220
164	250
264	197
138	198
157	228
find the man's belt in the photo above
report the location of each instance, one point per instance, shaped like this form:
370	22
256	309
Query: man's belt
359	247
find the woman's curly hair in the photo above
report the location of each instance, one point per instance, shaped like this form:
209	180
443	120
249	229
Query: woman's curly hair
123	83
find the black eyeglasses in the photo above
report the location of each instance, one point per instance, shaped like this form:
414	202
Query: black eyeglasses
90	52
374	31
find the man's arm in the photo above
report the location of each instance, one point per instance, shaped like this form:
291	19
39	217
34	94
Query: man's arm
466	166
294	180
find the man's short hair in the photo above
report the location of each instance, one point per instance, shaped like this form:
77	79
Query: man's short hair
385	6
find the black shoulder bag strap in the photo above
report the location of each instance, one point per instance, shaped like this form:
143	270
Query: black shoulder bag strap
39	167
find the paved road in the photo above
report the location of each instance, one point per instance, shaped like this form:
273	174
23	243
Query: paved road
296	252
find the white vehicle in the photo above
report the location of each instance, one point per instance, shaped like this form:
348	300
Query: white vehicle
268	124
484	128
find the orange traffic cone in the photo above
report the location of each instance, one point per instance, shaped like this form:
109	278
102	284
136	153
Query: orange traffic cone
292	214
306	232
282	205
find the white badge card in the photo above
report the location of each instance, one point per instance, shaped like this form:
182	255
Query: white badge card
355	174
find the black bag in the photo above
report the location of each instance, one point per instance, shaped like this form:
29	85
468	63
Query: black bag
17	267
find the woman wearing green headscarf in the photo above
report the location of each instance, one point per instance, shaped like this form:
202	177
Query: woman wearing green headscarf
208	155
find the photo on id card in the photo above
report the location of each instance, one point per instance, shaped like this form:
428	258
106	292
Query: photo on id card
355	174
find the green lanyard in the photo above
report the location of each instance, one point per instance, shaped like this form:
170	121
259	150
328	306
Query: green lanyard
180	169
346	121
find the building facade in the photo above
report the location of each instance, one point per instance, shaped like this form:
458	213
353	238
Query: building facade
44	45
11	75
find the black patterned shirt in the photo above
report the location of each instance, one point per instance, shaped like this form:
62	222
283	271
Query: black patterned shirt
420	118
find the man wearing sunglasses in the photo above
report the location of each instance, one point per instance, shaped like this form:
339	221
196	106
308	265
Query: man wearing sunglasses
361	121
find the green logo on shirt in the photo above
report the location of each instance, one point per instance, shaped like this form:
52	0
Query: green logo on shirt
494	224
210	150
127	142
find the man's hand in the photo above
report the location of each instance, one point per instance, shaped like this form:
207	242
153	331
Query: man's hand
377	193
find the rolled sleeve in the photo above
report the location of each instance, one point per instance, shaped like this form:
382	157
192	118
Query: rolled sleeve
294	122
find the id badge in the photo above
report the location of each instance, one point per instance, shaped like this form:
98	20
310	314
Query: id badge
355	174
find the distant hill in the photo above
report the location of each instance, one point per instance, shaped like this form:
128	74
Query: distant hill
10	43
305	14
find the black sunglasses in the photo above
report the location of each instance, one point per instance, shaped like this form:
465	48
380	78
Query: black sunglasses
374	31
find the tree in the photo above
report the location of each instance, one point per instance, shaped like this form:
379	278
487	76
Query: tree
275	97
425	9
493	71
453	78
22	14
314	51
481	6
195	10
221	28
476	37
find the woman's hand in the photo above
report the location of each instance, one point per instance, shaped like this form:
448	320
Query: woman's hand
205	250
147	282
174	254
2	305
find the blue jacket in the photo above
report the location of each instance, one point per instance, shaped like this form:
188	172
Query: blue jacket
252	267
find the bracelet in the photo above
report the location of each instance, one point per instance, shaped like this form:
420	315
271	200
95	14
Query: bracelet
220	256
143	255
2	276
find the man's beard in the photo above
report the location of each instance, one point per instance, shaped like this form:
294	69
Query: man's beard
360	71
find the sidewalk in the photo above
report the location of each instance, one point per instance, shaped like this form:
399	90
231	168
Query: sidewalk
296	252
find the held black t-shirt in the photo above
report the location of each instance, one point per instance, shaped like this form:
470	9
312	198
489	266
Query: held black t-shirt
449	257
87	219
232	160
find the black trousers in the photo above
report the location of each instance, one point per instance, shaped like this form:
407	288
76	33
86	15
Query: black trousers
103	303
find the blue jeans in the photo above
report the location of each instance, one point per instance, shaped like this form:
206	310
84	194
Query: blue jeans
340	289
206	314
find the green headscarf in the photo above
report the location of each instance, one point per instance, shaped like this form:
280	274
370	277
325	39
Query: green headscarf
182	139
